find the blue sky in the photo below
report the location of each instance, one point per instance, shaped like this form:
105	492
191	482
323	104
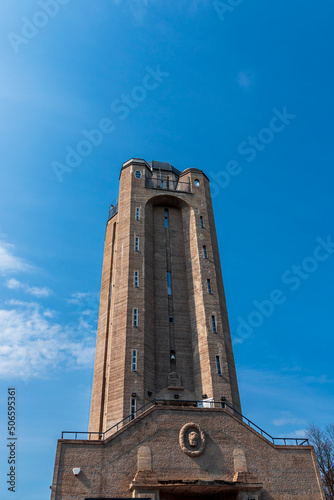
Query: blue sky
243	91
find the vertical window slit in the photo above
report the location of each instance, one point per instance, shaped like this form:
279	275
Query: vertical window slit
209	285
132	408
134	360
135	317
169	284
218	365
166	217
213	321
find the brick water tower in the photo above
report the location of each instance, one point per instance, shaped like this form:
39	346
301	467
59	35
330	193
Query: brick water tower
166	419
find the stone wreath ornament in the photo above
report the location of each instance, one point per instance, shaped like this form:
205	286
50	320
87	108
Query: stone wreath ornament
192	440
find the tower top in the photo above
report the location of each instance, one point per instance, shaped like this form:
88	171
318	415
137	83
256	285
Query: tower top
161	166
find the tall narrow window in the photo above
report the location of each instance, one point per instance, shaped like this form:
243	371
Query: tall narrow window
137	213
209	285
213	321
134	361
201	221
132	408
169	283
166	217
136	279
135	317
204	252
137	244
218	365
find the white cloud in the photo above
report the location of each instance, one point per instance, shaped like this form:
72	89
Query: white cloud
87	302
299	433
245	79
31	345
38	292
289	421
139	8
13	284
9	263
78	298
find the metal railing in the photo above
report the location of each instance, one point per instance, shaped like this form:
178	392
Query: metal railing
167	185
113	209
185	404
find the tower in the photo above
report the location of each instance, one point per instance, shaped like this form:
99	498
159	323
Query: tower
163	327
165	419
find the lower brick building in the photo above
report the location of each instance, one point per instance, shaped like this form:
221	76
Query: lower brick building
166	418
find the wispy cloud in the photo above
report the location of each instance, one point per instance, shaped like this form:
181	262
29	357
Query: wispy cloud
10	263
245	79
32	345
38	292
288	419
286	398
299	433
79	298
87	303
139	8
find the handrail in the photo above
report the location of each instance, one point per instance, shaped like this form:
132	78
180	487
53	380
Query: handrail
187	404
113	209
167	185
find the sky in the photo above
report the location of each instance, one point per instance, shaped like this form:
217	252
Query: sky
241	90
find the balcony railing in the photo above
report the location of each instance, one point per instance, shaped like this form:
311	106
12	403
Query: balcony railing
184	404
113	209
167	185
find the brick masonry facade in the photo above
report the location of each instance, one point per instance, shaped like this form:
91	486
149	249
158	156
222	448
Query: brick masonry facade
178	250
163	335
145	458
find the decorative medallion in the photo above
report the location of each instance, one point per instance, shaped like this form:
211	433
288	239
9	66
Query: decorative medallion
192	440
174	381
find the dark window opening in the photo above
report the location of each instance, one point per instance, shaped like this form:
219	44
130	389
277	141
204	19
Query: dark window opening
166	217
132	408
209	285
213	321
218	365
169	283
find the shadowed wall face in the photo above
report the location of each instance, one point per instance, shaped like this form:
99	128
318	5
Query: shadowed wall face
173	345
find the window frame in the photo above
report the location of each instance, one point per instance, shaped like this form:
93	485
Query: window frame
169	283
218	365
136	279
136	243
208	282
137	213
135	317
133	406
213	323
134	360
